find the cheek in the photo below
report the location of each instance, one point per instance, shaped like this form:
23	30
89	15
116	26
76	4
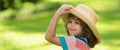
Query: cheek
68	26
79	28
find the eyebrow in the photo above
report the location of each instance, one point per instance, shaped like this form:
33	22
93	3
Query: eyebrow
76	19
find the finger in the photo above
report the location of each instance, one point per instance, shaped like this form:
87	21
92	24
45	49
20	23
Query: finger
66	5
69	8
67	12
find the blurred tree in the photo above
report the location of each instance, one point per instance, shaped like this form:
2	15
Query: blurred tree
33	1
4	4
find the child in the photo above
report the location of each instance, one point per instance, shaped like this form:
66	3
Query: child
80	25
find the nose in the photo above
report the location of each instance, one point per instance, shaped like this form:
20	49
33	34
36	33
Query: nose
72	25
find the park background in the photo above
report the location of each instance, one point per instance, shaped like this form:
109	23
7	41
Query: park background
23	23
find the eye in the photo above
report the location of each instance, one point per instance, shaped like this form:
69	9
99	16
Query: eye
69	21
76	22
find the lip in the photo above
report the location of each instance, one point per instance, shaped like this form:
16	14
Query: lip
72	29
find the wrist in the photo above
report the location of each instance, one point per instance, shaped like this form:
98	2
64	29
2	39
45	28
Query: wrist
57	15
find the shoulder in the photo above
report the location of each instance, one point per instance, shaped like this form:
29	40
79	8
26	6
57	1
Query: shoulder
84	40
67	42
67	38
81	43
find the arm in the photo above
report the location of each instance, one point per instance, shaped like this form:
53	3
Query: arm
50	34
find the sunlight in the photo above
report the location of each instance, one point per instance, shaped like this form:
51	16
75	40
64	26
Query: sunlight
20	40
6	14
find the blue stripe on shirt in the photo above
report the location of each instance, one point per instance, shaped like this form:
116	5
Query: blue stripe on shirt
82	39
63	43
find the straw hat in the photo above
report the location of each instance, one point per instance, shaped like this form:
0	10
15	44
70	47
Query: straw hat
87	15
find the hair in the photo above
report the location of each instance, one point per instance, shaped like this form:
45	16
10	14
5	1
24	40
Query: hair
86	32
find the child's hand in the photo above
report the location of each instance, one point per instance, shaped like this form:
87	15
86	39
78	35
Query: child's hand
63	10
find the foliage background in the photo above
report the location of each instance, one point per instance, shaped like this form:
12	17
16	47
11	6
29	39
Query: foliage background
23	23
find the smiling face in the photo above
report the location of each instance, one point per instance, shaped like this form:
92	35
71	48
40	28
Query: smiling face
77	27
73	26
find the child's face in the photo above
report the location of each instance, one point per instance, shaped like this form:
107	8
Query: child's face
74	27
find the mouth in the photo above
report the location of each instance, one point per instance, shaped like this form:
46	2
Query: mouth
72	30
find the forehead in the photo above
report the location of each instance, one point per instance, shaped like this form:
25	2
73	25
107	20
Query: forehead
72	17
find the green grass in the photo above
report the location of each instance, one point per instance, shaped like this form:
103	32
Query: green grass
27	34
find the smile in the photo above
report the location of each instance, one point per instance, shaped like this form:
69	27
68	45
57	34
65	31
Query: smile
72	29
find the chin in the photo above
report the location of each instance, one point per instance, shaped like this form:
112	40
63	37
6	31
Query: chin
73	34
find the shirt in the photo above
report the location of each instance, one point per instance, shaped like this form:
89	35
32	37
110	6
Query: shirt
74	43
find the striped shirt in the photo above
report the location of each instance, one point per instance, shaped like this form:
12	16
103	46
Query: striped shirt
74	43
